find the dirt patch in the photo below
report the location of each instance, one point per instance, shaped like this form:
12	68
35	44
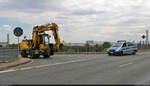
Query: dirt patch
19	61
147	50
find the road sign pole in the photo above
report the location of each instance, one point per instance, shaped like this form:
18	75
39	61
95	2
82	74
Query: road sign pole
18	47
18	32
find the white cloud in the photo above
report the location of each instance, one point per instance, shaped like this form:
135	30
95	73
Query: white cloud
81	20
3	1
7	27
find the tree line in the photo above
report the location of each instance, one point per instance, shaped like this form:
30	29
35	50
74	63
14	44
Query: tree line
86	48
10	46
74	49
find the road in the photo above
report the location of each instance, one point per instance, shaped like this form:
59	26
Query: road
82	69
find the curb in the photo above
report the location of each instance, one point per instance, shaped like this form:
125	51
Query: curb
20	61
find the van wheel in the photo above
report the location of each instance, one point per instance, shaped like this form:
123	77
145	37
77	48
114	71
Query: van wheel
121	53
134	52
109	54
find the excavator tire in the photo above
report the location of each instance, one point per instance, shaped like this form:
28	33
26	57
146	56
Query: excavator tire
51	49
46	56
34	56
24	54
47	53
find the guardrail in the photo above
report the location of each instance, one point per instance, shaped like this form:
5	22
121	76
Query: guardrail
11	54
97	50
8	54
143	45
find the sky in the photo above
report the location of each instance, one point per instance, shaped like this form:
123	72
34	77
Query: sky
78	20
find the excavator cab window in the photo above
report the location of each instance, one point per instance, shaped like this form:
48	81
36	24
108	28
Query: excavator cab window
40	39
46	40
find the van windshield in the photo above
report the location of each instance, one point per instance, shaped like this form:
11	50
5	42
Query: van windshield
116	44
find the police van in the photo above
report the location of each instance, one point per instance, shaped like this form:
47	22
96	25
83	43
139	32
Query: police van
122	47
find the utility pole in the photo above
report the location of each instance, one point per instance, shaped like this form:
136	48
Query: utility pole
0	38
7	38
29	36
146	36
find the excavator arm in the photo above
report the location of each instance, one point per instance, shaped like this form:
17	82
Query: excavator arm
48	27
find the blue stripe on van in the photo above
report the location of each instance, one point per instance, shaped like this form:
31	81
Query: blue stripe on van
131	47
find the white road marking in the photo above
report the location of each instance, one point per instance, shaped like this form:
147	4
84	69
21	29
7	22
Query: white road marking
25	68
123	65
11	70
40	66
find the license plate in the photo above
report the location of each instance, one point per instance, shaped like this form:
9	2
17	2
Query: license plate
111	52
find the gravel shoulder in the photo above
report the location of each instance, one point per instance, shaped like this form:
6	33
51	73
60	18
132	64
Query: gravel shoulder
147	50
20	61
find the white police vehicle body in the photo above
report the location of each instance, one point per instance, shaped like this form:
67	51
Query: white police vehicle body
122	47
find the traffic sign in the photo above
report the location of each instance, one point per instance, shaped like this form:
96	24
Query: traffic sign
18	31
143	36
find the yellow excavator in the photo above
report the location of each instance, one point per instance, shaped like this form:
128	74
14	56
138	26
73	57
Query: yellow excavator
40	42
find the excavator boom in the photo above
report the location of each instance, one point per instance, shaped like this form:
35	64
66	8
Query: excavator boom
48	27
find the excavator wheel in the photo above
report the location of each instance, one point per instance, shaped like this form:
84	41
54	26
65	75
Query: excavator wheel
47	53
24	54
46	56
51	49
34	56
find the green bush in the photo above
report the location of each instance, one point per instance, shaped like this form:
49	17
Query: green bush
86	48
12	45
70	51
106	45
105	50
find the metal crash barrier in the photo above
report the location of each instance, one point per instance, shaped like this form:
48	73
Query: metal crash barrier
8	54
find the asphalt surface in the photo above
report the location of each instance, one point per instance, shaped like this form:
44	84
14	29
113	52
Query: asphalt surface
82	69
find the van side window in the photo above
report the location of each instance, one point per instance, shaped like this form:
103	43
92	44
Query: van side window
124	45
130	44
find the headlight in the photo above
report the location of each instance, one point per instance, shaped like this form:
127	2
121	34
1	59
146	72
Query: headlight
118	49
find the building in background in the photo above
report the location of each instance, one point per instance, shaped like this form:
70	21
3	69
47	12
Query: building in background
5	43
75	44
92	43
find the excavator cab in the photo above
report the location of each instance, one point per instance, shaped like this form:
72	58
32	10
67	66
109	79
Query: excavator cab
43	40
45	48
